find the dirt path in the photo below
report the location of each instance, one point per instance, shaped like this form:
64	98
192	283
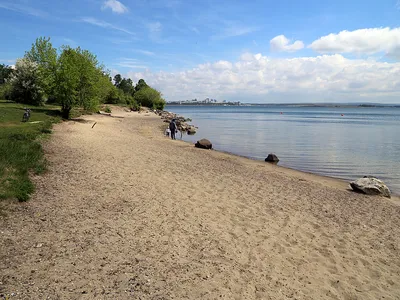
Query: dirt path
124	213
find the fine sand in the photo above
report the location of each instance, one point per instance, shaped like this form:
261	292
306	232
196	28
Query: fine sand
125	213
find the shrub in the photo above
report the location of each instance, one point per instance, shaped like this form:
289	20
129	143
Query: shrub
149	97
25	83
5	91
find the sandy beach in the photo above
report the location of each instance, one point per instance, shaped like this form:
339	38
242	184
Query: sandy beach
126	213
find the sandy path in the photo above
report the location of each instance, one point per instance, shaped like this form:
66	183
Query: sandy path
124	213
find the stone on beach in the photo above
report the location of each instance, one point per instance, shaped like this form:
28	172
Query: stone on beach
203	144
371	186
272	158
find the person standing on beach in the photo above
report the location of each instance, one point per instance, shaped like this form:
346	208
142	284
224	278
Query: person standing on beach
173	128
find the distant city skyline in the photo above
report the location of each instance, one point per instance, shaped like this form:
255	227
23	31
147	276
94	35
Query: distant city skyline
255	52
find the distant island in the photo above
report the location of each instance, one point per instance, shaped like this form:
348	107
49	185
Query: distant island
214	102
206	101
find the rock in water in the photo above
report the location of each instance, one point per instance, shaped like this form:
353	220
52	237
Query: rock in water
191	130
272	158
370	186
204	144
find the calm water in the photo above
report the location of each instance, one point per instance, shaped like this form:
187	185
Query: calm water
364	141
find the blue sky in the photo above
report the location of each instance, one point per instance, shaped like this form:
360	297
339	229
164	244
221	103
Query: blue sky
257	51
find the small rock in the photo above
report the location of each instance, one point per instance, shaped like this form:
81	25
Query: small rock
272	158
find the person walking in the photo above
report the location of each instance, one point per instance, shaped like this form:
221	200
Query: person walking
173	128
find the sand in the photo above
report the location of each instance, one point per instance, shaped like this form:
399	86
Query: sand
126	213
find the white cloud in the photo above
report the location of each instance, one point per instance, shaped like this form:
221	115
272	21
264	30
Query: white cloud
7	61
103	24
115	6
257	78
233	31
155	32
24	9
144	52
130	63
361	41
194	29
281	43
154	27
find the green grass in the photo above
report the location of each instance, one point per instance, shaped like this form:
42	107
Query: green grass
20	149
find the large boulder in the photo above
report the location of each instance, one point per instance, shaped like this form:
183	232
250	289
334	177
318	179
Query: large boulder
203	144
272	158
371	186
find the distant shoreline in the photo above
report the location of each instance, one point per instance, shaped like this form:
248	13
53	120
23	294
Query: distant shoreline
345	105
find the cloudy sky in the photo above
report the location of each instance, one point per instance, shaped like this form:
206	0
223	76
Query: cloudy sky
250	51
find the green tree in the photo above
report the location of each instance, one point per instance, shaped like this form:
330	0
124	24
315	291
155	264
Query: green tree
67	80
89	76
78	80
140	85
5	91
26	85
149	97
105	90
5	73
44	55
127	86
117	80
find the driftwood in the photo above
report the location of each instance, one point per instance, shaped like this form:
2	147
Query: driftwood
109	115
94	124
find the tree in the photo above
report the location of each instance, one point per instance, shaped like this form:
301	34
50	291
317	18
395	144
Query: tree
105	90
45	56
5	73
117	80
140	85
78	80
127	86
89	75
26	86
149	97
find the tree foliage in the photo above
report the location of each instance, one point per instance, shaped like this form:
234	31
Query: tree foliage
72	78
5	73
79	80
45	56
26	85
149	97
140	85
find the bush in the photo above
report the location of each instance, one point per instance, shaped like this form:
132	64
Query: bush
25	83
150	97
5	91
107	109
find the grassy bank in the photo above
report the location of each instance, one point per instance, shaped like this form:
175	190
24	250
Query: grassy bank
20	148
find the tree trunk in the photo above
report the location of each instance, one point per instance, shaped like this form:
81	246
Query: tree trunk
65	111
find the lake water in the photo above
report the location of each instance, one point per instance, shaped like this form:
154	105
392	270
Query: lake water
342	142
